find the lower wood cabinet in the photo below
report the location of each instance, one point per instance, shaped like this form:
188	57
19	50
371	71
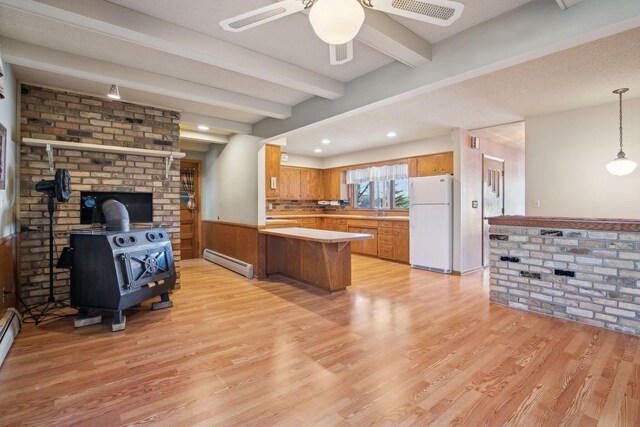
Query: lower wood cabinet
393	241
366	247
335	224
310	223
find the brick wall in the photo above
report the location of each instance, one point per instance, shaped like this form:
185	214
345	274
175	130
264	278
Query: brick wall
63	116
590	277
283	206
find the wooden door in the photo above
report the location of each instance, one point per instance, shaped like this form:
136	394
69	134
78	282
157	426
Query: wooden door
190	217
370	246
290	183
272	170
492	197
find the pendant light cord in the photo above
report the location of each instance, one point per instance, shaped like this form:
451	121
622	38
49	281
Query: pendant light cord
620	121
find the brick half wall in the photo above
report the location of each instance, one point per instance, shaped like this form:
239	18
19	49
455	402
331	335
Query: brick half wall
591	277
63	116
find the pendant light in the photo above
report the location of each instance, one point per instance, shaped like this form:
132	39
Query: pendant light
336	21
621	165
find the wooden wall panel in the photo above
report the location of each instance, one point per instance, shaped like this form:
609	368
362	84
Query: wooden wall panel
8	270
238	241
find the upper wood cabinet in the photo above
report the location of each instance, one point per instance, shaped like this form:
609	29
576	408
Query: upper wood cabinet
272	170
311	184
301	183
290	183
435	164
334	187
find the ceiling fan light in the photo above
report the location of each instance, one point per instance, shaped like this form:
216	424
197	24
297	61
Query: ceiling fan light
621	166
336	21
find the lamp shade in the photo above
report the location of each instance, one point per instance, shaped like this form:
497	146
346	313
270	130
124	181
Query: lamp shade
621	166
336	21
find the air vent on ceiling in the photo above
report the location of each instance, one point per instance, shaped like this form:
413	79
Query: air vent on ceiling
341	53
426	9
249	20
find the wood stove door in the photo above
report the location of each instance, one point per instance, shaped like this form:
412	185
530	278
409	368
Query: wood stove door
189	209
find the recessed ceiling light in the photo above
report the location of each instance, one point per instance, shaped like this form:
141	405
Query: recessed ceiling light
318	150
326	141
114	92
203	127
391	134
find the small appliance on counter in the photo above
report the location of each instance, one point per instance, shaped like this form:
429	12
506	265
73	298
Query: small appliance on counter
431	223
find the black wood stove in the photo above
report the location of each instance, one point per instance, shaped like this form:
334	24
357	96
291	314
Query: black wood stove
113	270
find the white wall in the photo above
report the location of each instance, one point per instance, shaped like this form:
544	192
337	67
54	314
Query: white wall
433	145
231	172
468	223
8	197
566	154
303	161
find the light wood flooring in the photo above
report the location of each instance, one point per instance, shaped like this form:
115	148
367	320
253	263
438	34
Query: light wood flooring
400	347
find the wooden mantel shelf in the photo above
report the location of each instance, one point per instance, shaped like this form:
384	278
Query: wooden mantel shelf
169	156
595	224
79	146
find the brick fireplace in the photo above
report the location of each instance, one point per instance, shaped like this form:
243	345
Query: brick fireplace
64	116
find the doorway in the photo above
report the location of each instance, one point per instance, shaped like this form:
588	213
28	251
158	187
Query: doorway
492	198
189	209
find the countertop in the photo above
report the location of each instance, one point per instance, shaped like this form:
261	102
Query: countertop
595	224
373	218
321	236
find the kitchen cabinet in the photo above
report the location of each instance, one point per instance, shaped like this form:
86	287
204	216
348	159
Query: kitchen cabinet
310	223
435	164
272	170
335	224
365	247
393	241
334	186
311	184
290	183
300	183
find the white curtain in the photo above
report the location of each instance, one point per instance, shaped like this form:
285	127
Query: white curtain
382	173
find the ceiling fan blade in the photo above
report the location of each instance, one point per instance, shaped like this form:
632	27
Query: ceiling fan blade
438	12
263	15
340	53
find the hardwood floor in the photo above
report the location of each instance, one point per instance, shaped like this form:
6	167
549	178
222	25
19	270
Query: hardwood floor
401	346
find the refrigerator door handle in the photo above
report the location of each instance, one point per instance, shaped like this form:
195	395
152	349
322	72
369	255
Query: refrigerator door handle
411	191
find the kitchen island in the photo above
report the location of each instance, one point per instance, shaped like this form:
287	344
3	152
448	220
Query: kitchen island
319	258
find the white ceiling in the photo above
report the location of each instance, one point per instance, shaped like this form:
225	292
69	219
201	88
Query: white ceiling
246	77
475	12
574	78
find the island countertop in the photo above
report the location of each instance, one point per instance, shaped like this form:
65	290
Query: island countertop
321	236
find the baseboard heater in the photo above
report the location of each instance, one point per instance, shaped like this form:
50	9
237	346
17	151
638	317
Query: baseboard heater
229	263
9	327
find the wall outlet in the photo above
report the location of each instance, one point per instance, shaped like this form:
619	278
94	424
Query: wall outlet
474	204
274	183
536	203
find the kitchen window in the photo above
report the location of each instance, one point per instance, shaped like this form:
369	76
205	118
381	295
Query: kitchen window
385	187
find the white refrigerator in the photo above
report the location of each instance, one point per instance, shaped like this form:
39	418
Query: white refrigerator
431	221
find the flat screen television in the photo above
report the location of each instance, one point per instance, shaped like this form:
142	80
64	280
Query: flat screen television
139	206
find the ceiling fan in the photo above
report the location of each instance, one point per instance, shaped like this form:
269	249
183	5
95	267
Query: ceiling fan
337	22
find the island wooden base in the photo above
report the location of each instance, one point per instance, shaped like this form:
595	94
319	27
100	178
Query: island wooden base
323	265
